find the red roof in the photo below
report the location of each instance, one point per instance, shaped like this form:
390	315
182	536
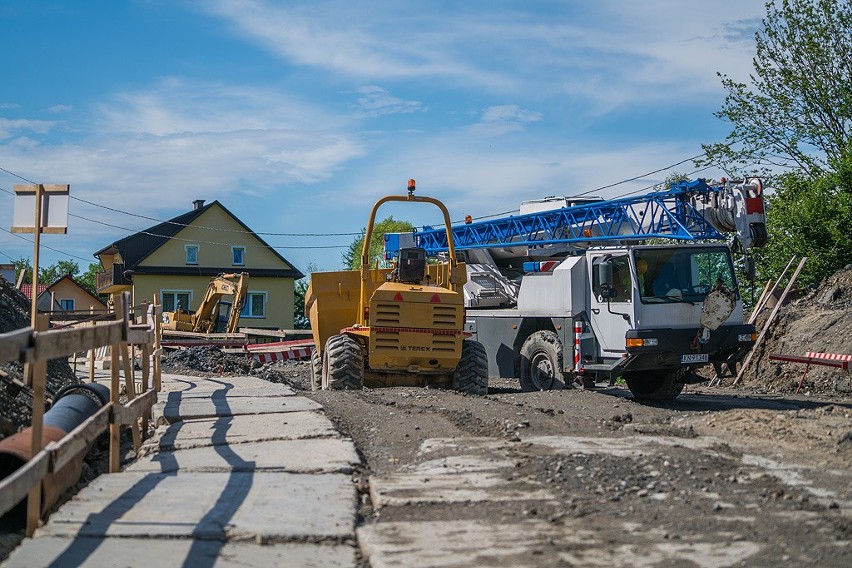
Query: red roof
27	289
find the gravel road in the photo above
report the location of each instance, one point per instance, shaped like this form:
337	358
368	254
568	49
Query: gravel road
590	477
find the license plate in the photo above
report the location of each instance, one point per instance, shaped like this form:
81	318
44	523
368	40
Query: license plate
695	358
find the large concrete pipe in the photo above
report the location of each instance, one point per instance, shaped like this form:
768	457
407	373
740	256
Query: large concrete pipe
71	407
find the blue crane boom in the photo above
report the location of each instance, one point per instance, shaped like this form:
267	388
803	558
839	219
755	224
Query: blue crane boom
689	210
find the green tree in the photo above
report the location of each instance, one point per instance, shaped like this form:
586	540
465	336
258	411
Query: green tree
810	217
89	279
55	271
797	111
352	256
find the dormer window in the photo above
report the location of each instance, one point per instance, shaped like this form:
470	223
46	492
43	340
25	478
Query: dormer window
191	254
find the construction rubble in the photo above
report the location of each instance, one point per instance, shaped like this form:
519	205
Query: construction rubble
819	321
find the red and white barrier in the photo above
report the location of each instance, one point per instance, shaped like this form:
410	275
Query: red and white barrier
828	356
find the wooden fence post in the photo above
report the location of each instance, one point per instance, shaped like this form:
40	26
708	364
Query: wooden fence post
38	372
158	347
146	369
115	385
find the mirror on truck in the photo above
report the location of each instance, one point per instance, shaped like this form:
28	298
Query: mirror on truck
605	278
749	268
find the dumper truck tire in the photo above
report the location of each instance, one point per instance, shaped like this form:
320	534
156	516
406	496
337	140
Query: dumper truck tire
654	385
343	364
541	363
316	370
471	374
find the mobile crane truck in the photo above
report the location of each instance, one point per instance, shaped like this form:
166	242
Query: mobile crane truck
398	326
568	293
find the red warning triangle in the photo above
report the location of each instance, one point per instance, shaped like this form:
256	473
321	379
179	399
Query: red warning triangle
436	299
398	297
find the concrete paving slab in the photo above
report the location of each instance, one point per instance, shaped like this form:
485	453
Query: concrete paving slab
193	408
269	506
320	455
114	552
454	487
272	390
475	543
187	384
247	428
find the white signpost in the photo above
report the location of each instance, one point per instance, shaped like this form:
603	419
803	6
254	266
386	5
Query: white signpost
38	209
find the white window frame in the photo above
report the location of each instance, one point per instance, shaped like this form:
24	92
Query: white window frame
73	304
187	248
234	249
175	292
247	308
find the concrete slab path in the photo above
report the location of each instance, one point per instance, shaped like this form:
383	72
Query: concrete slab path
240	472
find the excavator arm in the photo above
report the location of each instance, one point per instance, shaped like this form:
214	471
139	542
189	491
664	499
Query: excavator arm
205	317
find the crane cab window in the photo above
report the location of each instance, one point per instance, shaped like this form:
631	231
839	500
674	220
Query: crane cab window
622	283
682	275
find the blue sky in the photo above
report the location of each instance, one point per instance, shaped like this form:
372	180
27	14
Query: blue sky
297	116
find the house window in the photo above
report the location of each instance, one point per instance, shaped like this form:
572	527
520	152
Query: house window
66	304
175	299
191	254
238	256
255	306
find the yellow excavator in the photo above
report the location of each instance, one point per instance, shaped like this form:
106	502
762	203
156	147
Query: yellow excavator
204	319
398	326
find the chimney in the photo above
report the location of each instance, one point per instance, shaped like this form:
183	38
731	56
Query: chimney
198	204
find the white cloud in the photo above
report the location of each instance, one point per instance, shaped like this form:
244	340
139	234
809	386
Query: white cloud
500	119
609	53
59	109
10	128
376	101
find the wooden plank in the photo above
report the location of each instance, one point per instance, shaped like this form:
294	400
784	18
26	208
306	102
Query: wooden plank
14	488
46	187
79	439
769	320
14	343
135	409
59	343
137	336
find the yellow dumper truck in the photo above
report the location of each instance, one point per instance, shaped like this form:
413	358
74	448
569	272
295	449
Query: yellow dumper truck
397	326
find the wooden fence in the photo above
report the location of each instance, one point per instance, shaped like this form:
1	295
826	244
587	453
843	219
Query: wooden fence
34	347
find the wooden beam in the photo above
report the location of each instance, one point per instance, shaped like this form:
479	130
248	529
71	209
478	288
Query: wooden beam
140	336
138	407
14	344
14	488
58	343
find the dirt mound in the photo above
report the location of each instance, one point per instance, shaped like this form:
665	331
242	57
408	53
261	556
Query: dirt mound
208	360
15	410
820	321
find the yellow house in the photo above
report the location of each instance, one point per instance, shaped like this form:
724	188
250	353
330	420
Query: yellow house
177	259
67	295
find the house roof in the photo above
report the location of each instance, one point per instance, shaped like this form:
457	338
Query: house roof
70	278
27	290
138	246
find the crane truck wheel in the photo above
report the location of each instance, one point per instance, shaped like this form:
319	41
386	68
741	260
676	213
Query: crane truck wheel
654	385
541	362
316	370
343	364
471	374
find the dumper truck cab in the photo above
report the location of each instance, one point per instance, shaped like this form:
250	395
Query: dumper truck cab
396	326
